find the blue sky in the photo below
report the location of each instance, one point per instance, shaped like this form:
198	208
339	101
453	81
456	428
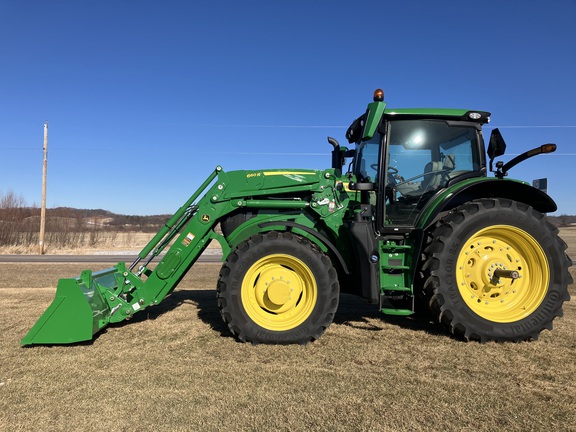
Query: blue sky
145	98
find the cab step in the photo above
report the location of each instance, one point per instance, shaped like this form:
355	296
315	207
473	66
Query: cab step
397	312
396	297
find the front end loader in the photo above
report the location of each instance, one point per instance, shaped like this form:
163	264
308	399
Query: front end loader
408	218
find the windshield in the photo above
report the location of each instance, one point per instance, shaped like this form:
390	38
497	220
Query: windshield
422	156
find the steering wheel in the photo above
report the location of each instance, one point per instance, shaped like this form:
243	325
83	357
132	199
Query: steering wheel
391	169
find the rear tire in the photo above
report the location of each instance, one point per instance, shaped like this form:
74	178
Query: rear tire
277	288
466	253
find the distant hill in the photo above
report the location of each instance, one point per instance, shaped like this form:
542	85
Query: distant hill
105	218
563	220
67	217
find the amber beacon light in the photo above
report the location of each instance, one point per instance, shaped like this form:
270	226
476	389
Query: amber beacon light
378	95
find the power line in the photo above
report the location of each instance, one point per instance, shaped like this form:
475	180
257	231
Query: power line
529	127
257	126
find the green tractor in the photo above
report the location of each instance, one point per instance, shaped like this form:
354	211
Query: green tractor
407	219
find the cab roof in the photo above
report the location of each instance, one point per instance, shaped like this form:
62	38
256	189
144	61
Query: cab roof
481	117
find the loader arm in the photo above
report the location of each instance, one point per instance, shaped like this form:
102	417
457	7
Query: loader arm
88	303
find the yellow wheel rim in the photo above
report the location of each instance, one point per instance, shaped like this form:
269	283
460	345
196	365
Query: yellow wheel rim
279	292
489	253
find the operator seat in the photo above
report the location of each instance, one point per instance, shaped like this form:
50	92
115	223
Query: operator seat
439	173
436	174
431	180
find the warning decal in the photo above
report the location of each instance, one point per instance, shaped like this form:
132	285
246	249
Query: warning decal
188	239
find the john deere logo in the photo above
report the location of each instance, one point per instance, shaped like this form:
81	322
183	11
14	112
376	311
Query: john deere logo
205	218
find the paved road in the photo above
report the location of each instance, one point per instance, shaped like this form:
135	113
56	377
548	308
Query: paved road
129	259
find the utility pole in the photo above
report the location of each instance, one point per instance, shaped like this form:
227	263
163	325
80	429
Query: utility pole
43	208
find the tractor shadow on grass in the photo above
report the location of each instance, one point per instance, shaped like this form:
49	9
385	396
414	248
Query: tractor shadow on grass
352	311
356	312
203	300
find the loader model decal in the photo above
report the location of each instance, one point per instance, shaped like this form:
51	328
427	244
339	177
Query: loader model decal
292	175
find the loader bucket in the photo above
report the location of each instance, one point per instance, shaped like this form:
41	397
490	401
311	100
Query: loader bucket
78	310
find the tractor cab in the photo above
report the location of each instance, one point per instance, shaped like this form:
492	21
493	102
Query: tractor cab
411	168
411	155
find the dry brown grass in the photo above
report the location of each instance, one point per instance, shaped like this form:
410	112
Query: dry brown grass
175	367
106	242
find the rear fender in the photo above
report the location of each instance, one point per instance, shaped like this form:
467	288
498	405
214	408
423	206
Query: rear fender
469	190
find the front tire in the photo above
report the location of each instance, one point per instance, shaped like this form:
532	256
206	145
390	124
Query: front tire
277	288
495	269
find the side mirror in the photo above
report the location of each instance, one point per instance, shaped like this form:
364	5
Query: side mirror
497	146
